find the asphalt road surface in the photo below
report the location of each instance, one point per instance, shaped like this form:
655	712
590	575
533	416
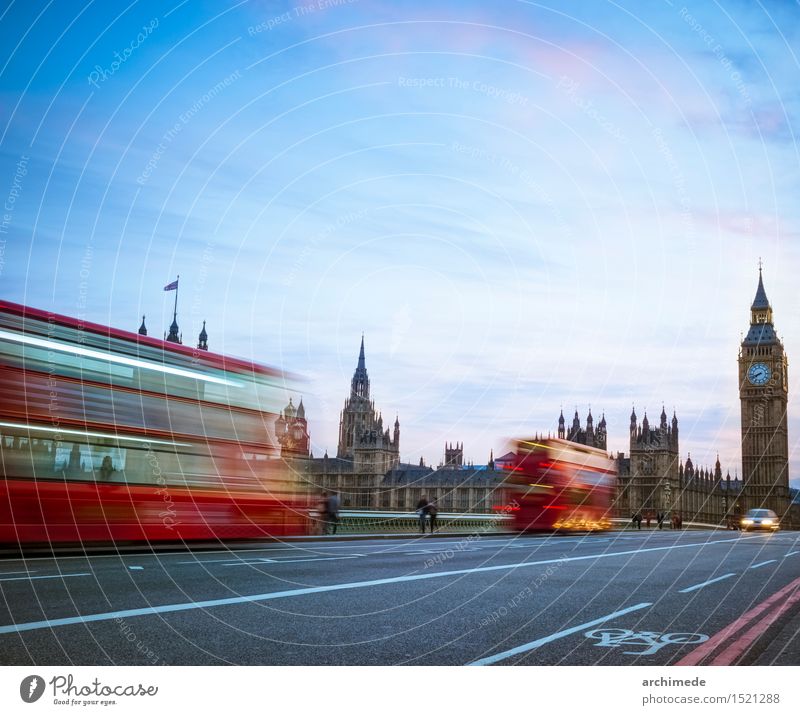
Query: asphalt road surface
648	598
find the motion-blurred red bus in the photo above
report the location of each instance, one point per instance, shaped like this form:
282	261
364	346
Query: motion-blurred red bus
560	485
107	435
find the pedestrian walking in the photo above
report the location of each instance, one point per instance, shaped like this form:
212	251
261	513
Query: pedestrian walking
332	513
422	512
660	517
638	518
648	519
433	512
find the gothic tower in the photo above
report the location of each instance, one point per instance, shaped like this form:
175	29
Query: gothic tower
590	436
454	456
764	393
654	481
362	437
358	409
291	430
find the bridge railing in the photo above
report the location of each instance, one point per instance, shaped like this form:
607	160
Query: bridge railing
385	522
388	522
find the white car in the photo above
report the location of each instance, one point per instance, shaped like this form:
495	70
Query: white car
765	519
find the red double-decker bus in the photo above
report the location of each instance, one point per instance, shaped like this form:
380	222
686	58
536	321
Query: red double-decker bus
109	436
560	485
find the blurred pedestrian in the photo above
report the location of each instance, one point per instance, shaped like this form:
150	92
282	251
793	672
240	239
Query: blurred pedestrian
660	517
433	512
422	512
649	516
331	513
638	518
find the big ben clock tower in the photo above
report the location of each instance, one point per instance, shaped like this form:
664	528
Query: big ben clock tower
764	393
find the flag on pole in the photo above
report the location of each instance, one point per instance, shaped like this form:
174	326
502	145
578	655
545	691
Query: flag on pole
171	286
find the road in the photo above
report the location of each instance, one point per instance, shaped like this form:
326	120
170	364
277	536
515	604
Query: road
647	598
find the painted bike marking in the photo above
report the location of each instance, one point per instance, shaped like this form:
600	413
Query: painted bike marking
533	645
651	640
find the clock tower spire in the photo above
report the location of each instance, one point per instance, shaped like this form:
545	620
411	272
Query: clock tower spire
763	391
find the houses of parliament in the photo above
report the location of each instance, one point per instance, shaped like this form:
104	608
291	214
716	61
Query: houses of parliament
368	472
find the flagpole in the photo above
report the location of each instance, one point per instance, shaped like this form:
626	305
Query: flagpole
175	313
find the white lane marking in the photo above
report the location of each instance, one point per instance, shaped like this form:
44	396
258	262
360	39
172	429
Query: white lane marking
555	636
398	549
14	573
192	605
136	568
763	563
556	542
792	553
290	561
453	551
706	583
30	578
262	560
383	546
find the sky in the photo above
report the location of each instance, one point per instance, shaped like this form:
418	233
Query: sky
522	206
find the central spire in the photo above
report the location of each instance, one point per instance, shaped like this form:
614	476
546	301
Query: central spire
760	302
359	387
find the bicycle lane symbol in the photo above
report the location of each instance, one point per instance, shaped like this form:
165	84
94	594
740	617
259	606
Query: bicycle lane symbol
651	641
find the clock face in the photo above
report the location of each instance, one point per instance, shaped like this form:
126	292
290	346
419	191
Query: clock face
759	373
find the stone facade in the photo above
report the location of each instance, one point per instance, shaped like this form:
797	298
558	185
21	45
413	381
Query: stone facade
455	489
652	479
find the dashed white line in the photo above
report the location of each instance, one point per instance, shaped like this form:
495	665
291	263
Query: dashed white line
706	583
30	578
290	561
763	563
14	573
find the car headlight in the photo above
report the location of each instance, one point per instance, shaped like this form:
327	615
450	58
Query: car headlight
747	521
767	522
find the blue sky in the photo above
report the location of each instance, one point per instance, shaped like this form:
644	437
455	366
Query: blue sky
521	205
